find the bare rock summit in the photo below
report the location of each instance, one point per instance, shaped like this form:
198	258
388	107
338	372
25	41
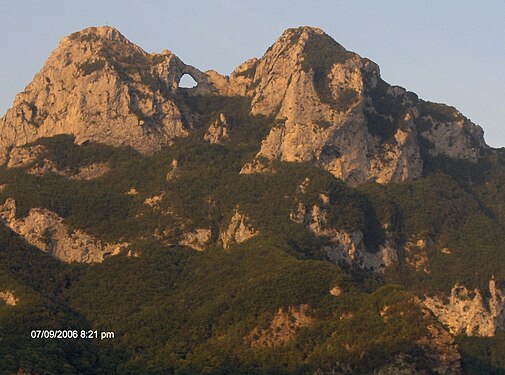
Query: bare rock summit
100	87
333	109
330	105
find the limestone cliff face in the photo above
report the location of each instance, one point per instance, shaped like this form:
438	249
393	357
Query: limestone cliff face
100	87
331	106
344	246
218	130
237	231
333	109
468	312
45	230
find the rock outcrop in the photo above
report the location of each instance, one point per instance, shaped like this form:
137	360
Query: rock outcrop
45	230
100	87
33	157
260	165
346	247
281	328
440	351
469	312
416	255
336	291
86	172
8	297
19	157
154	201
174	170
218	131
237	231
90	171
334	110
436	347
196	239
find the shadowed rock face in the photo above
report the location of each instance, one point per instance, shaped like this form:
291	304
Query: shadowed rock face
331	106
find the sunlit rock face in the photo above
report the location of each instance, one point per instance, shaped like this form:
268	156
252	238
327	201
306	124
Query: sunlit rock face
469	312
333	109
331	106
100	87
46	231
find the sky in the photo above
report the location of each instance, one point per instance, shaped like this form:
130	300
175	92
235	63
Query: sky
450	51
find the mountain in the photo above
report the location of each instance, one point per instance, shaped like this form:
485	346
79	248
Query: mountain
331	106
301	216
100	87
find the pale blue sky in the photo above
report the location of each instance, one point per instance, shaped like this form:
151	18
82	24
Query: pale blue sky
445	51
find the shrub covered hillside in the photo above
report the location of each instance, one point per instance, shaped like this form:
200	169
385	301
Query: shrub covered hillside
275	303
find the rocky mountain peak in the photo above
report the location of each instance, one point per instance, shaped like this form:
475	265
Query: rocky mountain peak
331	106
303	36
98	32
98	86
303	49
333	109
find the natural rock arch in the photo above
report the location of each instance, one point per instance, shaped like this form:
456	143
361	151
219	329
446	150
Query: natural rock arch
187	82
203	85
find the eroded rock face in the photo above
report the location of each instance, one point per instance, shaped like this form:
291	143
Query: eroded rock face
218	130
329	104
336	291
45	230
237	231
48	166
91	171
416	254
9	298
257	166
100	87
86	172
436	347
436	350
197	239
468	312
154	201
347	247
174	170
281	329
441	351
